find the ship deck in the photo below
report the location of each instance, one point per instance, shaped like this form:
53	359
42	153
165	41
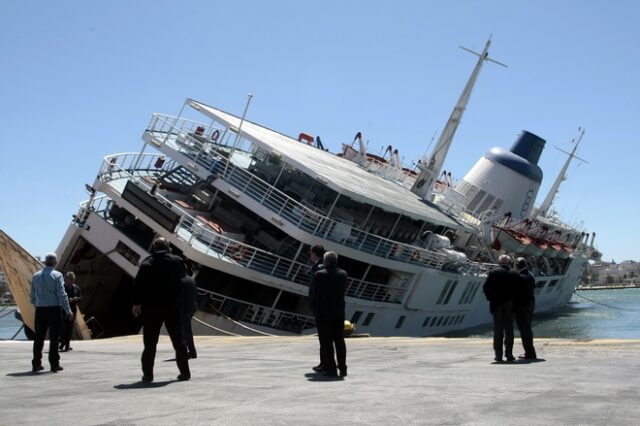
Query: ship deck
264	380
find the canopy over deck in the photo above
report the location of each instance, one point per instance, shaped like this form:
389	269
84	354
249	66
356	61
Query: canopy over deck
341	175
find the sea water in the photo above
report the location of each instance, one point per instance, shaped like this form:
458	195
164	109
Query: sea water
591	314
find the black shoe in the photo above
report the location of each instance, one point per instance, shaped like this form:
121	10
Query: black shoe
192	355
56	369
183	377
147	379
510	358
343	372
499	360
37	368
319	368
330	373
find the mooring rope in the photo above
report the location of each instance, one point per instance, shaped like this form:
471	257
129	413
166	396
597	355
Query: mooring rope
603	304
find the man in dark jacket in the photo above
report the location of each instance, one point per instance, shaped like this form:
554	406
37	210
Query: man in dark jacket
330	284
499	288
316	253
157	296
523	306
74	294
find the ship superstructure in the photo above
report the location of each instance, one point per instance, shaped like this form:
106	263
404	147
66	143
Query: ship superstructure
246	203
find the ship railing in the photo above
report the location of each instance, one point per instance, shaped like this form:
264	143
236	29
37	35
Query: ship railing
178	134
202	237
265	316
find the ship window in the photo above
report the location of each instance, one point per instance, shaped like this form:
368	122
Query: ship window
497	205
433	321
552	284
356	316
426	321
486	203
400	321
466	291
473	293
539	286
368	319
458	319
476	200
439	321
446	320
461	318
450	292
444	291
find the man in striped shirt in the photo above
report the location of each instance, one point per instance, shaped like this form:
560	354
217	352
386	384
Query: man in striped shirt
49	298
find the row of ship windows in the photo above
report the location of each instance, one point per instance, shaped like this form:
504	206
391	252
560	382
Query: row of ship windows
428	321
472	288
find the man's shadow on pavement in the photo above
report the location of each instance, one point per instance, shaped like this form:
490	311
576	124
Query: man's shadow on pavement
143	385
28	373
519	361
319	377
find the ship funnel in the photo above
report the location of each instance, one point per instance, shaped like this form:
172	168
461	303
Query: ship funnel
504	181
528	146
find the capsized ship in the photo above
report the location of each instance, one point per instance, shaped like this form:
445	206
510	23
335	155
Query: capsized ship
246	203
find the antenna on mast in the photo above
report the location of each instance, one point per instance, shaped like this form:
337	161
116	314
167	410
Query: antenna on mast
546	204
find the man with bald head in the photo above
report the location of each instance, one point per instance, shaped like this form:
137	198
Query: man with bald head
157	297
498	289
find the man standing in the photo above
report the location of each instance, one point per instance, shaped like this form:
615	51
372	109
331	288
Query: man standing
523	306
157	296
329	284
189	290
49	298
73	293
316	254
498	289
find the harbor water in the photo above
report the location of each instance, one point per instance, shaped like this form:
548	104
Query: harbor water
592	314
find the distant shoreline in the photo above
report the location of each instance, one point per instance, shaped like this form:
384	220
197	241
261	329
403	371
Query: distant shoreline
607	287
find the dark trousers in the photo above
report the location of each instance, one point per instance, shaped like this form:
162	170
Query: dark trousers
66	329
188	332
331	333
322	353
503	330
47	318
524	315
151	323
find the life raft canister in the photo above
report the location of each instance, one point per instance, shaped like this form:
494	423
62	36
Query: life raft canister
305	137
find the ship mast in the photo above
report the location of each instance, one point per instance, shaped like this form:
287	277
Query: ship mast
430	167
546	204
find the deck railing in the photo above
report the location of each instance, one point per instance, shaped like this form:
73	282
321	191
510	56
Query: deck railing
265	316
202	237
177	134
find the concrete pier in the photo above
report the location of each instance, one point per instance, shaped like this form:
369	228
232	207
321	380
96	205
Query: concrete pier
268	380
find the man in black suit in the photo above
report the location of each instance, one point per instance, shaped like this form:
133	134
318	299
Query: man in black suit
330	284
316	253
498	289
157	296
523	305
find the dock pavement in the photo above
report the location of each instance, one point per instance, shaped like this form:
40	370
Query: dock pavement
268	381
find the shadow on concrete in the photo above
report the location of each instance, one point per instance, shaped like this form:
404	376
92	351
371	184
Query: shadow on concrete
27	373
143	385
519	361
319	377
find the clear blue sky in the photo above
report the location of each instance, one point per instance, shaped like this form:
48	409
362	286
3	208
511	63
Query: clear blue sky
79	80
